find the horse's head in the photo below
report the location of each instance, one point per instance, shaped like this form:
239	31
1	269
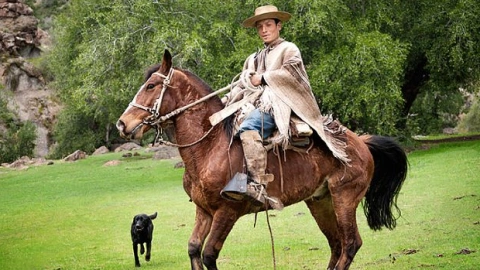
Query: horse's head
166	93
150	103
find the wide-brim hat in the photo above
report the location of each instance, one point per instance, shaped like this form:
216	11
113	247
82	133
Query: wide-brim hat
266	12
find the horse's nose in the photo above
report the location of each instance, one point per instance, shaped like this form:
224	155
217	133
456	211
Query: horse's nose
120	126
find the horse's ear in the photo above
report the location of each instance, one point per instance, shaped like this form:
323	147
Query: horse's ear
167	62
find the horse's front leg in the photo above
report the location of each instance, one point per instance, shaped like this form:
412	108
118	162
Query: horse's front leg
203	222
223	222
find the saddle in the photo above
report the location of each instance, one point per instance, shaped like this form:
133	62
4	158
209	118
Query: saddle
299	130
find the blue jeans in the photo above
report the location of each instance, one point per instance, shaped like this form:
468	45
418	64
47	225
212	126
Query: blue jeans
253	121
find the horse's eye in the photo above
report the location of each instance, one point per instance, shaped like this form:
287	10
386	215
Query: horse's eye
150	86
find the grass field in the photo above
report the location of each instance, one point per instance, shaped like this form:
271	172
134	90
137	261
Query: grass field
77	216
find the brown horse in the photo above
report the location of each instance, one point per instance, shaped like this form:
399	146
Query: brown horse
331	189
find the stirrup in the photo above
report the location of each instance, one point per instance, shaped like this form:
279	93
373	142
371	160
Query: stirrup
236	188
239	189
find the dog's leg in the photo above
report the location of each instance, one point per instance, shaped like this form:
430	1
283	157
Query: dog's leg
149	247
142	249
135	254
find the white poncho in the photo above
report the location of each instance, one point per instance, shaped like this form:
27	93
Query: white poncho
287	90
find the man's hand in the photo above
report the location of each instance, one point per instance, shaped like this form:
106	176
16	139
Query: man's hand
256	79
224	100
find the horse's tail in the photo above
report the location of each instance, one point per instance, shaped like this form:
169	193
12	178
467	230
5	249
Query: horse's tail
391	167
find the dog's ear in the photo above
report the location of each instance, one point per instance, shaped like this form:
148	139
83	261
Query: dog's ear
134	218
153	216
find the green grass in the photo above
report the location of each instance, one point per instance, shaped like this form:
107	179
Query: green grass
446	136
77	216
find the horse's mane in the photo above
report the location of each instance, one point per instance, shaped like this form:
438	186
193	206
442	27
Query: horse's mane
150	71
228	122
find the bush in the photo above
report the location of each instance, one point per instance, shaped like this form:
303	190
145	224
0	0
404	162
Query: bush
471	121
75	131
18	141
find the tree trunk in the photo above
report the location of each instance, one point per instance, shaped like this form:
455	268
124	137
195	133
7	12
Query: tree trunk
415	78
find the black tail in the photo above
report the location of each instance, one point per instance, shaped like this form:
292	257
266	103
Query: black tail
391	167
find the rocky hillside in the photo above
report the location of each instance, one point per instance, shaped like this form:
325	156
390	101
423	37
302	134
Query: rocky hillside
22	84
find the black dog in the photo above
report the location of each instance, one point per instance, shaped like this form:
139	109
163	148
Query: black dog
142	230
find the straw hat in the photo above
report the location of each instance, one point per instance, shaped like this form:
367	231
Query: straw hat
266	12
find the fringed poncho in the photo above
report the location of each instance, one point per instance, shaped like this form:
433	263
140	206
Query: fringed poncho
287	90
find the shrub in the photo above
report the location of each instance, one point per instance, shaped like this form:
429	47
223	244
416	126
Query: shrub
18	141
471	121
74	131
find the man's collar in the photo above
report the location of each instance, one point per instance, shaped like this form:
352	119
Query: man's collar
274	43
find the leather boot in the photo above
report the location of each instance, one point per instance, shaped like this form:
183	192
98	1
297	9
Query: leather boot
256	159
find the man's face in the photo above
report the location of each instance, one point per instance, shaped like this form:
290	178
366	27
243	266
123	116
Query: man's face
268	30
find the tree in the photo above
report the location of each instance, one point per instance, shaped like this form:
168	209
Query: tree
372	64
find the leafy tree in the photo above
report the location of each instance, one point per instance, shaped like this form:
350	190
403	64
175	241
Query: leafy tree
74	131
443	57
380	66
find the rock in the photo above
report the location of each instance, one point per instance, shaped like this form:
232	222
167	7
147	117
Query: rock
163	152
25	161
76	156
18	164
127	155
101	150
111	163
129	146
449	131
18	30
179	165
30	99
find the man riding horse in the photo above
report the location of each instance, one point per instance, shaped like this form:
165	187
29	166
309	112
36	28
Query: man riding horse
331	183
277	87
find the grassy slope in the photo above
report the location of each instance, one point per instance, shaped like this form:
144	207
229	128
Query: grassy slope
77	216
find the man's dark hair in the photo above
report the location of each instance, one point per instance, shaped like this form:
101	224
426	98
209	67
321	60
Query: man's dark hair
276	21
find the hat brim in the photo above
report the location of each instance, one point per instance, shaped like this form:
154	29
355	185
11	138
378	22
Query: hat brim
281	15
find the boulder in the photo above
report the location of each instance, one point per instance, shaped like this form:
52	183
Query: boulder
76	156
129	146
101	150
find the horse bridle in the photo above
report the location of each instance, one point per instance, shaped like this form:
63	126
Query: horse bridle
156	121
154	118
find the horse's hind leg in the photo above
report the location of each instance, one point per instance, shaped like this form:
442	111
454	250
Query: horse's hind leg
322	210
345	199
203	222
